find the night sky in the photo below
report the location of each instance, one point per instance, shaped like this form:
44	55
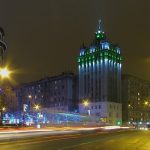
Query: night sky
44	36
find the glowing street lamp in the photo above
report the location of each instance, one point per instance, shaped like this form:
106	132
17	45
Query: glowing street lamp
36	107
30	96
146	103
4	109
86	103
4	73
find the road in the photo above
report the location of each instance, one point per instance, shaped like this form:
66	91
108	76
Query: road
95	140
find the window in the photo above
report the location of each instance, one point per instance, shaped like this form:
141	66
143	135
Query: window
81	52
118	50
105	45
92	49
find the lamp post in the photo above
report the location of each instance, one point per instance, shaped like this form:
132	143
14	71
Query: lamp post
86	104
37	108
4	73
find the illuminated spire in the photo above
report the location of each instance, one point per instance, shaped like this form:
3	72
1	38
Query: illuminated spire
99	24
100	35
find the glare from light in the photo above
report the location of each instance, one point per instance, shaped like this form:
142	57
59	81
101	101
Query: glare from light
146	103
37	107
4	109
86	103
29	96
4	73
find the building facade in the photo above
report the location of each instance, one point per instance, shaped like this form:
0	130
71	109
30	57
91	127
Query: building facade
55	94
135	100
99	68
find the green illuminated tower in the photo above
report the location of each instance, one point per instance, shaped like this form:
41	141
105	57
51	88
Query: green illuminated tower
99	68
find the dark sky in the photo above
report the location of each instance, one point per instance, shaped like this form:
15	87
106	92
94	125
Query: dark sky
44	36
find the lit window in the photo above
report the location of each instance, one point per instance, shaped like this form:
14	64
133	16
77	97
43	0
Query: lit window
105	45
92	49
118	50
81	52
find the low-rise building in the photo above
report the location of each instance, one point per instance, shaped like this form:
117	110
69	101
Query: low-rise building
57	93
135	100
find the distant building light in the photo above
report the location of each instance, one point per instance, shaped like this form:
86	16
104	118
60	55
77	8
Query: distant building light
118	50
99	31
105	45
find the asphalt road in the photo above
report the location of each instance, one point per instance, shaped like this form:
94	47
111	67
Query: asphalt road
97	140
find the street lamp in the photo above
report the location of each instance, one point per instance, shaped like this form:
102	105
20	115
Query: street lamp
146	103
3	109
129	105
37	108
4	72
30	96
86	104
